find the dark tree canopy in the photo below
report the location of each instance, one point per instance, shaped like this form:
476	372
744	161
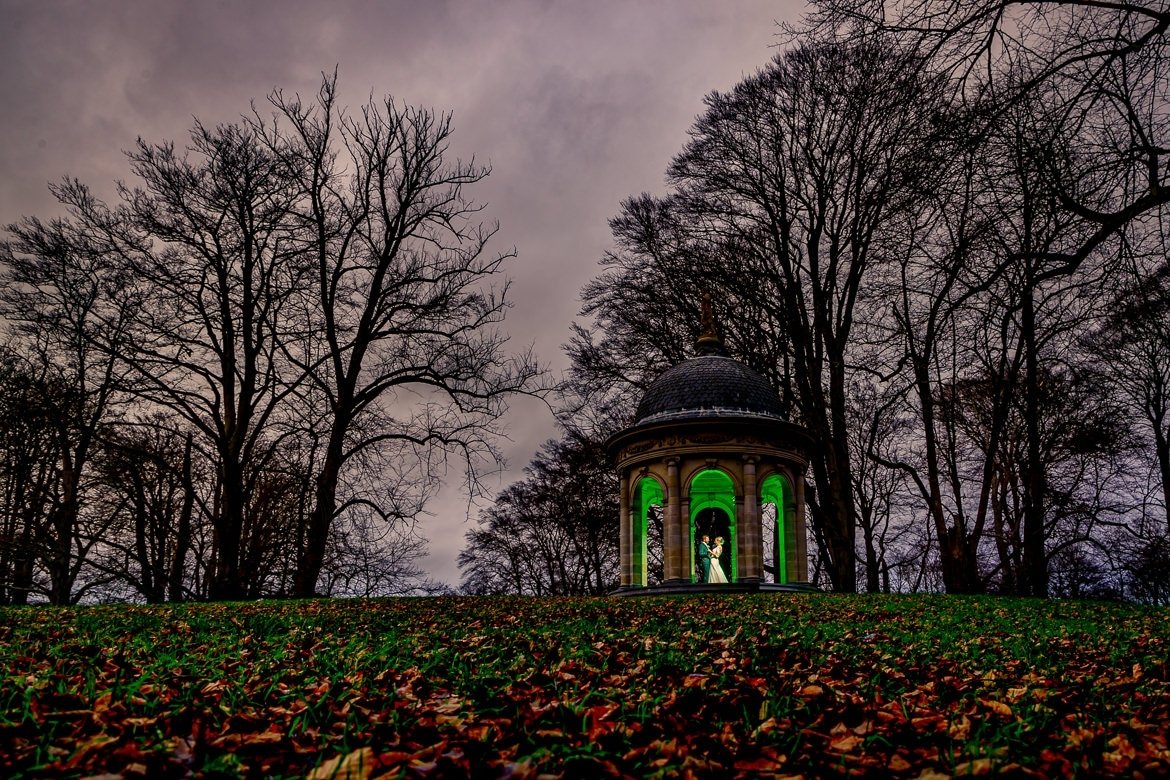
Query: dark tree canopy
936	226
267	349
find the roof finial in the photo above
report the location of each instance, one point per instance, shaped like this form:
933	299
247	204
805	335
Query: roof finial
708	342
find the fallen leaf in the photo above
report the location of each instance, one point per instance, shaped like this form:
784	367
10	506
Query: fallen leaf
979	766
898	764
845	744
357	765
996	706
931	774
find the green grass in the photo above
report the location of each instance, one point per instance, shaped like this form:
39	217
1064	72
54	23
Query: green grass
814	684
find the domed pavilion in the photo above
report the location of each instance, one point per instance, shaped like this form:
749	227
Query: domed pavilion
711	453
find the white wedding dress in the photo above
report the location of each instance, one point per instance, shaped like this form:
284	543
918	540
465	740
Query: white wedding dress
717	575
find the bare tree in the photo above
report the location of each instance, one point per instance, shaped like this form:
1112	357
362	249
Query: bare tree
784	201
404	298
208	240
553	532
146	479
301	316
65	297
808	161
979	41
1148	578
875	426
978	251
1132	351
28	469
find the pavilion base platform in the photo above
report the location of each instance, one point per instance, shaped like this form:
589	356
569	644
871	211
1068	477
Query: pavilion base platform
686	588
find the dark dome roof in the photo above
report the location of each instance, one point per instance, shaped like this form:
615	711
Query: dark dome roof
708	386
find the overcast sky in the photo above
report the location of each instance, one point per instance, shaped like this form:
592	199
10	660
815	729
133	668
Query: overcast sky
576	105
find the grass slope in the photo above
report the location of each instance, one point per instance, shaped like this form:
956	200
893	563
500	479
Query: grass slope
486	687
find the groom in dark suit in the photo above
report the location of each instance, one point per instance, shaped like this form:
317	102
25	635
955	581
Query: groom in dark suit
705	559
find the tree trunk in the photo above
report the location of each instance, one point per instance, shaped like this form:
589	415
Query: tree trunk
150	588
64	523
183	534
1035	579
872	581
226	584
311	556
844	537
957	557
1162	445
22	567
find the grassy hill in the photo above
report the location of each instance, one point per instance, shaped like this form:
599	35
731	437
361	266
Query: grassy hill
486	687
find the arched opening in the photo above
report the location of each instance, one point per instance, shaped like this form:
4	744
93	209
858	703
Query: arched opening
776	516
712	505
714	522
647	532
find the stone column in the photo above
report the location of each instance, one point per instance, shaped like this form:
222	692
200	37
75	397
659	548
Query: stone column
800	547
750	536
672	527
625	534
788	529
735	567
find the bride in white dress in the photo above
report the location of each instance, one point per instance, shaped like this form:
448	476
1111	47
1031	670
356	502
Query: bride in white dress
717	575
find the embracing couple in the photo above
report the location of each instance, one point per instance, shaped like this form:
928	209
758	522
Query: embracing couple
710	570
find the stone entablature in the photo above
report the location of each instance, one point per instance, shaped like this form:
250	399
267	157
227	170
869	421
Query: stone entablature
695	437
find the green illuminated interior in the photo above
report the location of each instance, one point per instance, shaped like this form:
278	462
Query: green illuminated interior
772	491
713	489
647	493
